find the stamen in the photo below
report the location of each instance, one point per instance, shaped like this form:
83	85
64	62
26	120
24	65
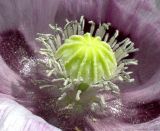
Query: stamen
62	96
69	29
92	28
58	80
112	39
82	22
106	37
78	95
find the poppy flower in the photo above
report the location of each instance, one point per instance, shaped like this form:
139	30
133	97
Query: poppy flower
20	22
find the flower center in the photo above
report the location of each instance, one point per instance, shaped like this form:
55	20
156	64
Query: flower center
82	67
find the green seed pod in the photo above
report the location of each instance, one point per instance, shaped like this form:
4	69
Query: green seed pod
87	57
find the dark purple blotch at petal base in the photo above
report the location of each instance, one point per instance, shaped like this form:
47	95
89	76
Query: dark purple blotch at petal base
13	49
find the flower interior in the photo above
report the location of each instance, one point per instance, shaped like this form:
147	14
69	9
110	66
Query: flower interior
84	64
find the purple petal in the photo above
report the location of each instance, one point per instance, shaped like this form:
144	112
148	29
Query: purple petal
92	10
30	17
15	117
111	124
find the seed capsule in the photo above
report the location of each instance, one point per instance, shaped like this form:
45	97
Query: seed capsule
87	57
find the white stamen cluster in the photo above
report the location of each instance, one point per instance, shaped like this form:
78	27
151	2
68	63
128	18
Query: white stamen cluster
72	95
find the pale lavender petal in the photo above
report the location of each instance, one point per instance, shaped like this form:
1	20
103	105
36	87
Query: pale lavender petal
30	17
15	117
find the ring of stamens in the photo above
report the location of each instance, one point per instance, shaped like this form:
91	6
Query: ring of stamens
71	95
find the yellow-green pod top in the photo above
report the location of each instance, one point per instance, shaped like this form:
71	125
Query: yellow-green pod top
87	57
